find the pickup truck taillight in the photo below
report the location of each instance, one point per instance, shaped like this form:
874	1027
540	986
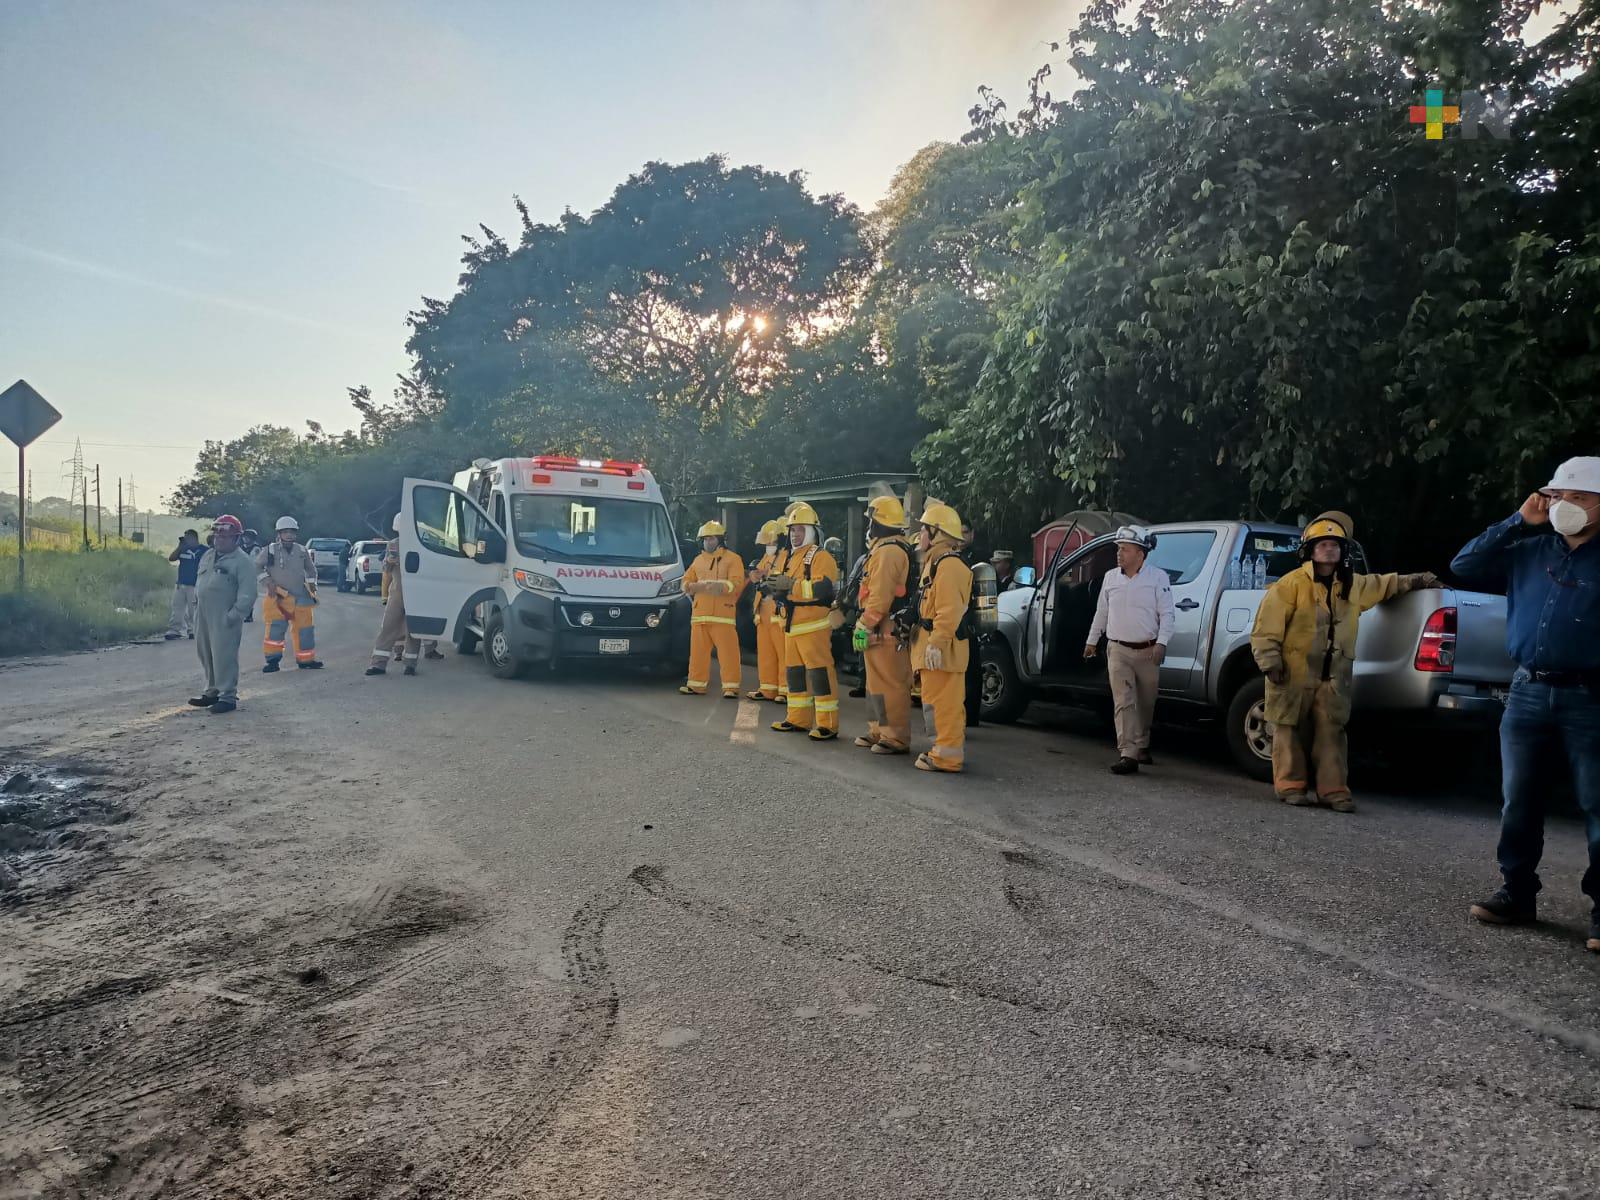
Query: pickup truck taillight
1437	649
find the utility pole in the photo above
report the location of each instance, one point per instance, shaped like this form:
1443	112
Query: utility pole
119	508
99	512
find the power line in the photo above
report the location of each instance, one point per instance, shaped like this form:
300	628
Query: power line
119	445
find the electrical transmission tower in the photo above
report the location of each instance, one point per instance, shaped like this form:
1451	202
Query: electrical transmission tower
73	471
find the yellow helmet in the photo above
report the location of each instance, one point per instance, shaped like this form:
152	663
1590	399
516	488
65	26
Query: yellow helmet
801	513
943	518
712	529
1332	524
768	534
886	510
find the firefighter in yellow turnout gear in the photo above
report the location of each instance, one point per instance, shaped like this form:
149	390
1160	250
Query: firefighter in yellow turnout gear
940	650
716	581
1304	641
764	613
885	588
805	593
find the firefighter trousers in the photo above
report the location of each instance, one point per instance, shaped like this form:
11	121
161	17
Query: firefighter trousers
1313	755
888	694
769	655
285	619
393	632
808	671
721	635
944	717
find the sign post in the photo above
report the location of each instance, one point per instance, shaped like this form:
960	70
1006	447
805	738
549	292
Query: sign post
24	415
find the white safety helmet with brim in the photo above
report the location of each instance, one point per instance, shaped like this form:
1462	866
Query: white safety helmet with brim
287	523
1575	475
1135	535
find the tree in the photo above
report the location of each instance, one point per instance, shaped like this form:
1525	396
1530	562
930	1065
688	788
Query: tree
1248	284
656	323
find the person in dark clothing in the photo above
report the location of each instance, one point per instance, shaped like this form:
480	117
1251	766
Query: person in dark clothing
1547	556
180	622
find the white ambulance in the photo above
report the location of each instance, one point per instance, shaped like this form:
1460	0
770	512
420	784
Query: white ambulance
542	559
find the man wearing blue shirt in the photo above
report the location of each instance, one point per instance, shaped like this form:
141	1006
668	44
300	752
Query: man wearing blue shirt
1547	556
188	555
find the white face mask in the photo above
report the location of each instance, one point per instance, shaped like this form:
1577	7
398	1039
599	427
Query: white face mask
1567	518
709	545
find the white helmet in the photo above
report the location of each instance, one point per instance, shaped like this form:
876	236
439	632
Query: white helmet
1576	475
1136	535
397	526
286	523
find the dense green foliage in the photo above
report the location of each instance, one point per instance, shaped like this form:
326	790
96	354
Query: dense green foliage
1226	275
77	600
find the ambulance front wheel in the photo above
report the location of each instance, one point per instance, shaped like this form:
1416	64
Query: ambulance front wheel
498	652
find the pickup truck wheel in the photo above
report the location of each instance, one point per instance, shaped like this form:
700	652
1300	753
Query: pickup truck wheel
1004	697
361	585
1249	734
497	651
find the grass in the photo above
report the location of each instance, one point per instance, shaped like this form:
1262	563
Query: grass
77	600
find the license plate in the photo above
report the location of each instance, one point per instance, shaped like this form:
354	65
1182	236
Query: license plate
613	645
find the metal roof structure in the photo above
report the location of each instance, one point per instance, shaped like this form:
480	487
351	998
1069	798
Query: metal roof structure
830	487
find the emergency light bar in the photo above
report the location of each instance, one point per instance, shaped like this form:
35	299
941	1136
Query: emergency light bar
546	463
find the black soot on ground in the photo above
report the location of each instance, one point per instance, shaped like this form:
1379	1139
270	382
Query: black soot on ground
47	814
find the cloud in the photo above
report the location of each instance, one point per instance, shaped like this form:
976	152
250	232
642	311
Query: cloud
202	248
99	271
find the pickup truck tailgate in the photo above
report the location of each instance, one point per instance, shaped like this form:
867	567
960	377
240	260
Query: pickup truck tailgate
1386	676
1481	639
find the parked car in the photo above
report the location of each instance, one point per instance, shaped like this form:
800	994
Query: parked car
364	568
1435	656
328	555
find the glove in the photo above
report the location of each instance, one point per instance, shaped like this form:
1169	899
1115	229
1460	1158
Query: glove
933	659
779	585
1278	676
723	585
858	638
836	619
1429	580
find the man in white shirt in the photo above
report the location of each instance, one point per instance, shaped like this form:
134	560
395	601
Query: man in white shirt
1135	615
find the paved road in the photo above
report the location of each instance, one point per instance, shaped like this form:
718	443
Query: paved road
456	937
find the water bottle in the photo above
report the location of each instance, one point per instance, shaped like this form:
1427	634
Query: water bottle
1234	574
1261	571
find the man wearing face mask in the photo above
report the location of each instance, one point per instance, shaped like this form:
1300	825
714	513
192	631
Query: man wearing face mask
1547	557
715	579
806	593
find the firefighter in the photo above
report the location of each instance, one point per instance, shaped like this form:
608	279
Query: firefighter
940	651
289	585
393	636
806	593
1304	641
716	580
769	626
225	592
879	633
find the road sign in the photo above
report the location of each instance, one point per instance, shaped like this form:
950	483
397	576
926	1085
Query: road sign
24	414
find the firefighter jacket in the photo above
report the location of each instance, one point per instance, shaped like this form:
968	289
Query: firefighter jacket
809	567
286	567
1308	627
885	582
943	596
721	566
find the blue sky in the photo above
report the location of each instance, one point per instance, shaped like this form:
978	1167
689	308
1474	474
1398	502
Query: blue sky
215	214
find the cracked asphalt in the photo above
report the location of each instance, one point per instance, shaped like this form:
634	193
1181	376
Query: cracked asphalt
582	936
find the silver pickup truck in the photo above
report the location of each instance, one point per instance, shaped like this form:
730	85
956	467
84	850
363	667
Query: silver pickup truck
1430	656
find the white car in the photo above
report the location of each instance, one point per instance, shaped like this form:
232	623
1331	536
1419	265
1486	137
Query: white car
364	568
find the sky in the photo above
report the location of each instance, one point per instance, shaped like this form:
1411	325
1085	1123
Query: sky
216	214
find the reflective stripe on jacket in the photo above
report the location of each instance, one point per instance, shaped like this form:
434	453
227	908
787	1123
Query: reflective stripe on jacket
721	566
1296	629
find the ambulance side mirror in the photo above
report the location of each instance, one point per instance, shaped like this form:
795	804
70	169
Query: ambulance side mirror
1026	577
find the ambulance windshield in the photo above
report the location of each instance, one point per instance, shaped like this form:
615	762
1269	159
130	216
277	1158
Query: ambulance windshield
585	529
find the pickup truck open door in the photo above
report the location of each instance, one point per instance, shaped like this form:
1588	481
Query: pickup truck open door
451	556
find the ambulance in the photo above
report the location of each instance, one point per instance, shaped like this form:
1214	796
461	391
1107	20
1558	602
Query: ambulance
535	561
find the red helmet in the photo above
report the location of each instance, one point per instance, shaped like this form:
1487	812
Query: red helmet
228	523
